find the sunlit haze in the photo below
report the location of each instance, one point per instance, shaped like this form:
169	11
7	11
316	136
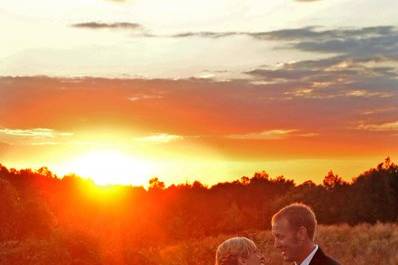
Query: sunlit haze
124	91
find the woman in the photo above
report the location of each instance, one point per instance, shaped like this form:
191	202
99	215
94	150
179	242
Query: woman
238	251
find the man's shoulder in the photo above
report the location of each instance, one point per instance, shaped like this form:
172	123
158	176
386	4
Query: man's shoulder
320	258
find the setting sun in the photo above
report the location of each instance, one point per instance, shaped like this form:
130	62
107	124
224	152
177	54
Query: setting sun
110	167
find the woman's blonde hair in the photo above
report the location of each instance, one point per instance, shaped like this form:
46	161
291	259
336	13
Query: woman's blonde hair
231	249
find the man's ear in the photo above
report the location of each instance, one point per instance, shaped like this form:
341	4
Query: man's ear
302	233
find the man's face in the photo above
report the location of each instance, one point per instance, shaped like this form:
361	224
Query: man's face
285	240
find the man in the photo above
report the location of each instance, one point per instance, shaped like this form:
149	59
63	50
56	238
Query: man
293	228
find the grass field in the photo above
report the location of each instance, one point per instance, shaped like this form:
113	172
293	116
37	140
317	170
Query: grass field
351	245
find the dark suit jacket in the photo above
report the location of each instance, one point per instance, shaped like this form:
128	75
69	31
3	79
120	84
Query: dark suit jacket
321	259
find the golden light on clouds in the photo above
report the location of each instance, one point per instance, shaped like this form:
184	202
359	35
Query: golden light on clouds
161	138
114	91
125	131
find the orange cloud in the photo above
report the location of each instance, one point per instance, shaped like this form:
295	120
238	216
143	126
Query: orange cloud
387	126
237	118
264	135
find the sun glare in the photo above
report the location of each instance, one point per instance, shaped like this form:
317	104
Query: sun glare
106	167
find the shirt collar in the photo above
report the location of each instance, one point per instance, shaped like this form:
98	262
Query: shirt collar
308	259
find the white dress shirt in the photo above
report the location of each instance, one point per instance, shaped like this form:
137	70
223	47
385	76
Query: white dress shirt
308	259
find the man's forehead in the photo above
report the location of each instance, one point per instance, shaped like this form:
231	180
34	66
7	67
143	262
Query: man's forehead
279	224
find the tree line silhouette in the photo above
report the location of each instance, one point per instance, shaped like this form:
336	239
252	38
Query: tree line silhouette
45	218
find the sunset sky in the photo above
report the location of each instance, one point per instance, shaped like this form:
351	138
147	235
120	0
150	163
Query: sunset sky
185	90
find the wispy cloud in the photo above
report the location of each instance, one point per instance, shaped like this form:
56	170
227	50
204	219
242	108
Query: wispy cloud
379	110
364	93
386	45
313	32
199	111
357	42
387	126
264	135
161	138
144	97
299	34
34	133
208	34
100	25
338	76
364	62
35	136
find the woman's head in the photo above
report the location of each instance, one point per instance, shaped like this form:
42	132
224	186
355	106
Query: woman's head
238	251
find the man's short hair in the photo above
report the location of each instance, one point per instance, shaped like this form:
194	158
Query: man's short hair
298	214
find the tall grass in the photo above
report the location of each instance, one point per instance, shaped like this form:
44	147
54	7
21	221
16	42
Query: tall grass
351	245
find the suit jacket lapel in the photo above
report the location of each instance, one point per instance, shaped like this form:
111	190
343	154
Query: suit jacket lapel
319	257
